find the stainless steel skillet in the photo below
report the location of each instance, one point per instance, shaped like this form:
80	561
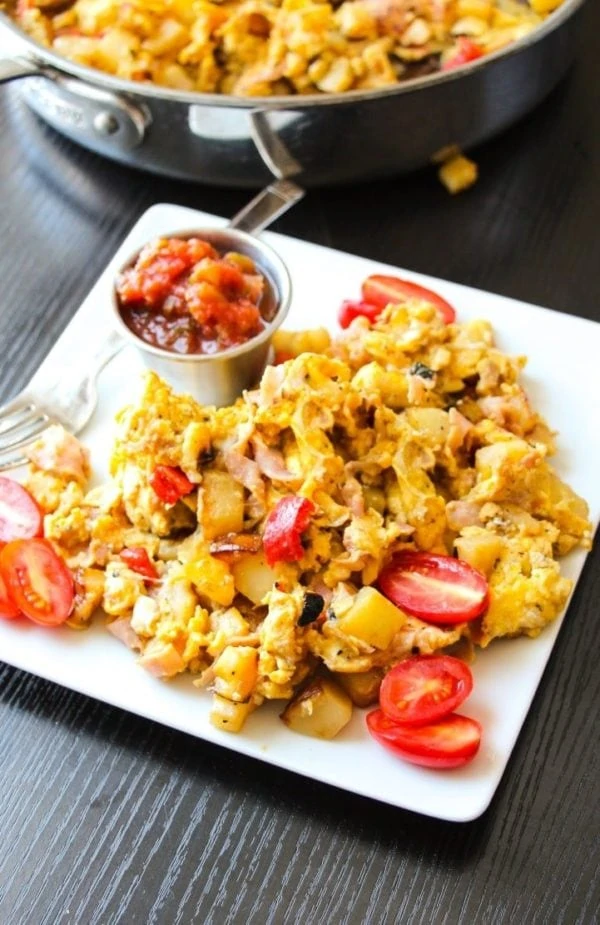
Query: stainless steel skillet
330	139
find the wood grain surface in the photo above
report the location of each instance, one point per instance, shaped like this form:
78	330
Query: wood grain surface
107	818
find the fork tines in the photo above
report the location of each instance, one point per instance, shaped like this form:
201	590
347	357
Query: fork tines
20	423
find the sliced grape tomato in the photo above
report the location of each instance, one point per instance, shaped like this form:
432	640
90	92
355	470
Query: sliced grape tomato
38	581
383	290
449	743
435	588
424	688
351	309
8	609
20	515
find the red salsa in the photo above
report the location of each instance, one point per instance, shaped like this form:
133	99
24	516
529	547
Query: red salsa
184	296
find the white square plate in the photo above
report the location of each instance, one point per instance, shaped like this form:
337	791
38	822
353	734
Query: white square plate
563	379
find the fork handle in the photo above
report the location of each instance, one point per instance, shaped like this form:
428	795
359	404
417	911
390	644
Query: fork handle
105	351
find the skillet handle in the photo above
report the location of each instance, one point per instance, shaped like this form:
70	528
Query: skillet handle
16	68
88	114
278	196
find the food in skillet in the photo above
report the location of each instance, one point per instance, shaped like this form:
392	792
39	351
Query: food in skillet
383	495
276	47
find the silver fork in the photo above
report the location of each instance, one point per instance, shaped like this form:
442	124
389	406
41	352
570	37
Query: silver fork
43	403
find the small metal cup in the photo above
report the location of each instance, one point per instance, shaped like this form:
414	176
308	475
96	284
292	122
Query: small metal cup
220	378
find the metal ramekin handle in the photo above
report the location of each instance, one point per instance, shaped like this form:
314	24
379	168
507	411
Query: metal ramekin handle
270	203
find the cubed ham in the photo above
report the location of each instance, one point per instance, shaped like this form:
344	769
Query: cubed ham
60	453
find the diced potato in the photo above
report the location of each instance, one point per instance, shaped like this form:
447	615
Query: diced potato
338	78
432	423
320	709
472	26
417	33
224	625
481	8
372	618
458	174
236	671
480	549
212	578
356	22
222	504
503	20
544	6
253	577
363	687
227	715
293	343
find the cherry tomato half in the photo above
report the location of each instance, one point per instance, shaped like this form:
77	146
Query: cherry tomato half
437	589
383	290
138	560
38	581
351	309
8	610
424	689
449	743
20	516
170	484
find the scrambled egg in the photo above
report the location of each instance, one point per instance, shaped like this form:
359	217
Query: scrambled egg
405	433
275	47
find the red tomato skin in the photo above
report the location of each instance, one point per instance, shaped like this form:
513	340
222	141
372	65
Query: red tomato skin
170	484
455	683
282	357
15	559
8	609
351	309
138	560
30	518
450	743
383	290
453	571
466	51
283	529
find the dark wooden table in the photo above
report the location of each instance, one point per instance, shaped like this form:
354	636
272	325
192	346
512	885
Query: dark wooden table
107	818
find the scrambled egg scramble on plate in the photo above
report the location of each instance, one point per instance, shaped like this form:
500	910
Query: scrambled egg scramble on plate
405	433
276	47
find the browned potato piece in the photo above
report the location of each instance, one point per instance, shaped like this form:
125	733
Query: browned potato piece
222	504
227	715
480	548
320	709
363	687
293	343
253	577
235	672
372	618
